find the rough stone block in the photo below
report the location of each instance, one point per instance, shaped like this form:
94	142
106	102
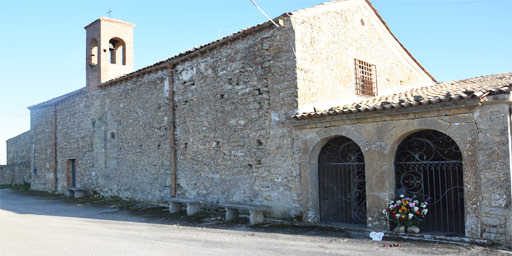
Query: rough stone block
193	208
175	207
231	214
256	217
491	221
70	193
79	193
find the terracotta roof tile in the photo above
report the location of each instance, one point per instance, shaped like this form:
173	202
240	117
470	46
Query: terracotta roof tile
477	87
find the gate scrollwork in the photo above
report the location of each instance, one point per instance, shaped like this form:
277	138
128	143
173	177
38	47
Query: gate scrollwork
342	184
428	164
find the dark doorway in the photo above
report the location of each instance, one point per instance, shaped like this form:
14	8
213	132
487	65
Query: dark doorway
428	164
342	185
71	175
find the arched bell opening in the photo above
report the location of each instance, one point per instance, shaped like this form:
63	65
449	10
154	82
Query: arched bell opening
93	52
117	49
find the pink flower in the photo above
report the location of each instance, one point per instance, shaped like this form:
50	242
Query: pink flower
412	204
396	205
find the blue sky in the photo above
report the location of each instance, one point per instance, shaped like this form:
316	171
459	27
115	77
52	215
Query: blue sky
42	43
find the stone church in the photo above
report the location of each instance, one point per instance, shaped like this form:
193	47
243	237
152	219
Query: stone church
323	115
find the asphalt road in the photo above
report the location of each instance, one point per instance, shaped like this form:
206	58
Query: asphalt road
32	225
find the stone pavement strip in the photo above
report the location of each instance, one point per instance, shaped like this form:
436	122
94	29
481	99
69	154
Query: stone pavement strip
34	225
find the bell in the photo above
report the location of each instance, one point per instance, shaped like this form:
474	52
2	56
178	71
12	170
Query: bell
111	47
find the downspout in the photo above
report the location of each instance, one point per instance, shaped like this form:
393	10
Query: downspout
171	130
55	146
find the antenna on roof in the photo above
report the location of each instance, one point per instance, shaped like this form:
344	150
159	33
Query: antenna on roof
252	1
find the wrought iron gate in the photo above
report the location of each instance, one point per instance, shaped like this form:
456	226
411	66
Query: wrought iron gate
428	164
342	185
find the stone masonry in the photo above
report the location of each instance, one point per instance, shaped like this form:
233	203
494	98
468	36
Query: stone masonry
480	128
19	152
232	104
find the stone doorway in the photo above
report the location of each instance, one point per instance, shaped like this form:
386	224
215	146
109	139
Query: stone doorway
342	185
71	173
428	164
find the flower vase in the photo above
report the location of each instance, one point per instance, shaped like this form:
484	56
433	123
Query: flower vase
399	229
413	229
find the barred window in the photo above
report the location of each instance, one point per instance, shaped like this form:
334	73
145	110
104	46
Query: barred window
366	78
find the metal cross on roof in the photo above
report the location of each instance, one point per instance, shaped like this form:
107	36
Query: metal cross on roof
109	12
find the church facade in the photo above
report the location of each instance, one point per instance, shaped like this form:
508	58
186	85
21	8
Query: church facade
324	115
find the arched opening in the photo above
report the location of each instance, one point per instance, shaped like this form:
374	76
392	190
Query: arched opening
342	184
428	164
93	52
117	49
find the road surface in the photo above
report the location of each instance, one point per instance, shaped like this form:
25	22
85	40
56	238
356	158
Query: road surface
34	225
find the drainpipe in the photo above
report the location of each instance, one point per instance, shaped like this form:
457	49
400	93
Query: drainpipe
171	130
55	146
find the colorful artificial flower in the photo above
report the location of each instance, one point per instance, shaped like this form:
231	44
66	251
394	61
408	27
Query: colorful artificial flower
406	211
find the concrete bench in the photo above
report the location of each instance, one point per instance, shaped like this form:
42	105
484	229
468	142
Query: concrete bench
255	212
193	205
75	192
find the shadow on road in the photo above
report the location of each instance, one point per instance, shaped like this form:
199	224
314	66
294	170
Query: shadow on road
115	209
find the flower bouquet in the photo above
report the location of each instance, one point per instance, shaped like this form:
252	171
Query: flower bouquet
406	212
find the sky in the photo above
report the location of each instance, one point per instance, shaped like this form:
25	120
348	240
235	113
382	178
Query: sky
42	43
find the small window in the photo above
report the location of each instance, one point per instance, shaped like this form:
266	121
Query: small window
366	78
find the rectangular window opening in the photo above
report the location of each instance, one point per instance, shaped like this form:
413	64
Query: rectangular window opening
366	78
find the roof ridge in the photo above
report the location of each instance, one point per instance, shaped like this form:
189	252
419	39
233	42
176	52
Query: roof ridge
57	99
474	77
246	31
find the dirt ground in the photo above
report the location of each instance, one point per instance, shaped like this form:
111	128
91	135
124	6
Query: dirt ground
36	223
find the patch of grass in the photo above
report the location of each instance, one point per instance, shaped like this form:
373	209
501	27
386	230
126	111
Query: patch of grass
98	200
22	187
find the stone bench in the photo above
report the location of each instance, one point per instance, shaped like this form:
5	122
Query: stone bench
255	211
75	192
193	205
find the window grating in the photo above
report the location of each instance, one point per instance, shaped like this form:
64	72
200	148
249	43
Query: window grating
366	78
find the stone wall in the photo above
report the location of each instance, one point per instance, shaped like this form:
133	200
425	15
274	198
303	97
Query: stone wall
118	136
233	109
42	127
481	132
493	120
19	148
329	37
15	174
131	139
19	152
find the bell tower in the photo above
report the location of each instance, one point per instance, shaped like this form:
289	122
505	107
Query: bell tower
109	50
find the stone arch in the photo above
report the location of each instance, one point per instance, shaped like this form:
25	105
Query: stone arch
342	183
424	124
429	164
117	50
326	134
309	173
463	133
93	52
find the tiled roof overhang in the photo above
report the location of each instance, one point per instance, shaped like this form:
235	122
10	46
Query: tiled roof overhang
478	87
